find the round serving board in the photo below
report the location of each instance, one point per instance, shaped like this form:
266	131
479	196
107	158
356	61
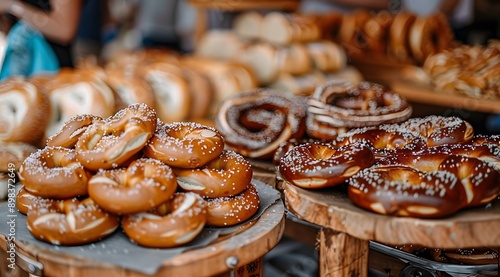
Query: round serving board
331	208
227	253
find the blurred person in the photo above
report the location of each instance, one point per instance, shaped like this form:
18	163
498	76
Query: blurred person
40	36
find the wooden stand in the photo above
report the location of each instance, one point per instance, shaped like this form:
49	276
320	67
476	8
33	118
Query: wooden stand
347	229
239	254
412	82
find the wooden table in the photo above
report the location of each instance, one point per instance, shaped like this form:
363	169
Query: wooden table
239	253
347	229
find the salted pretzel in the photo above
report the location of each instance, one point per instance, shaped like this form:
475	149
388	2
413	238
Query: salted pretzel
227	175
172	224
113	141
54	172
317	165
185	144
70	222
72	130
425	185
143	185
232	210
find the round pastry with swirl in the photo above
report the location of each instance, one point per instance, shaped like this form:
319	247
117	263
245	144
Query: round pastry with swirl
341	104
255	123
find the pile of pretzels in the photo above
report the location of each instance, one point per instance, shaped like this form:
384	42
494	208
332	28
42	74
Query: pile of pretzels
161	182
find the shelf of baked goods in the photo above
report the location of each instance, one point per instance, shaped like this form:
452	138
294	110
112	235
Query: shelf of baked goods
418	57
415	84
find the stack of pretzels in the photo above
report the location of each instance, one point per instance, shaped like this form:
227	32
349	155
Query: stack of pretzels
427	167
162	181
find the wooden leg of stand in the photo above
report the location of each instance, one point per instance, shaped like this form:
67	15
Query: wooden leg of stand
342	255
252	269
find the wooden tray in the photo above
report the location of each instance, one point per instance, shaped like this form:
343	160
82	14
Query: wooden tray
227	253
331	208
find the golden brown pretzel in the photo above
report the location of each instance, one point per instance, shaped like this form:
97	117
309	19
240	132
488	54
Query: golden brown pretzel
427	185
54	172
110	143
70	222
174	223
227	175
185	144
315	165
25	200
23	111
143	185
341	104
231	210
277	117
383	142
483	139
71	131
437	130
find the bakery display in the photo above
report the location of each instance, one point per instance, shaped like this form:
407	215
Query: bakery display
121	147
122	171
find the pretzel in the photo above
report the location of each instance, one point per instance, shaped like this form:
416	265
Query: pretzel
70	222
14	154
227	175
425	185
315	165
169	225
341	104
72	130
143	185
185	144
112	142
229	211
54	172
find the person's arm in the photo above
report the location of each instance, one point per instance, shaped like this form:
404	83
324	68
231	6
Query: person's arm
59	25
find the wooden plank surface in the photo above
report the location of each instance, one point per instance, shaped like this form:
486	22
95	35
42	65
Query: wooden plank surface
331	208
